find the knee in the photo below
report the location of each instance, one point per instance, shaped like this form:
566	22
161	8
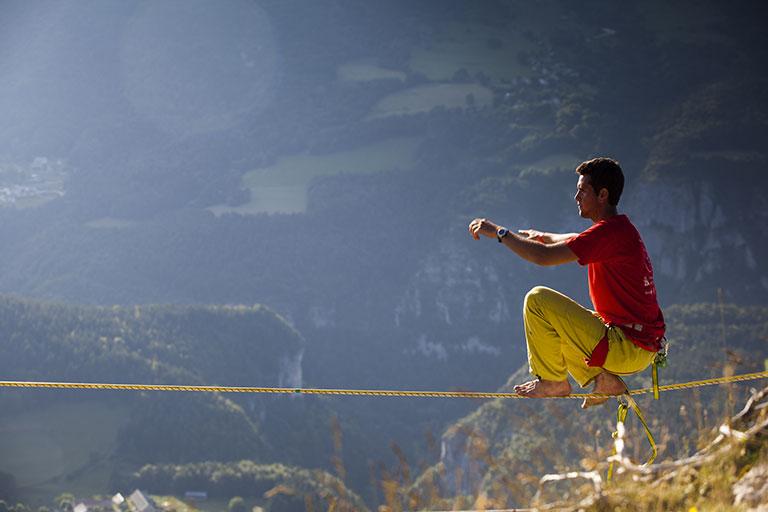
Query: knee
535	296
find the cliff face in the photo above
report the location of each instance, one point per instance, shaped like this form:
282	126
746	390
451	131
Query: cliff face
464	301
700	244
695	190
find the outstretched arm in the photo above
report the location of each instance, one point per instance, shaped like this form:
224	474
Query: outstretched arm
545	238
540	253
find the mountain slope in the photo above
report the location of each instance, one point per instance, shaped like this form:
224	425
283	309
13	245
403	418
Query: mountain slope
502	449
146	344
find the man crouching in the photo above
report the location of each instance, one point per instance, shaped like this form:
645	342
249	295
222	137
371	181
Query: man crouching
624	332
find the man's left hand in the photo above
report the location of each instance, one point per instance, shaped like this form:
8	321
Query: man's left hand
482	227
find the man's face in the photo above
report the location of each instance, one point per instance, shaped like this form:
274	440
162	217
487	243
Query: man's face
586	198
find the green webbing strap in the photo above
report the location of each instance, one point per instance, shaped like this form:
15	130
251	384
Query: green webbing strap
648	434
621	416
659	361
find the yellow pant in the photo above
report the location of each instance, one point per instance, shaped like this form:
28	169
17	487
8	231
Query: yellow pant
561	333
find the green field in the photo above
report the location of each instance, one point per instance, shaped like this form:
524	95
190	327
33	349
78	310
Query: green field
365	70
552	163
282	188
60	448
426	97
209	505
179	505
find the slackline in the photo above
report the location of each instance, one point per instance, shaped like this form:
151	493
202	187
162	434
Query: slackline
360	392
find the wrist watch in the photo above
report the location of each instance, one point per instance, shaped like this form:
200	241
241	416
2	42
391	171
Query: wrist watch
501	233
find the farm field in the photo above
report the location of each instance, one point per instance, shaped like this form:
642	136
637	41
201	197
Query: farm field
60	446
426	97
282	188
365	70
551	163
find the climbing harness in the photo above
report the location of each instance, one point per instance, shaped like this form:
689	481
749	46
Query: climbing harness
660	361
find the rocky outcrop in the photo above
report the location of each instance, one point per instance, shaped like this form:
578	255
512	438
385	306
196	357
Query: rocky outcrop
752	489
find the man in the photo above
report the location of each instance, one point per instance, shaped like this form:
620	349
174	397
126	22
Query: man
623	334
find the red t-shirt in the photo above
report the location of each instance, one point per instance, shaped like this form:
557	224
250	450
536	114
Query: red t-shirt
621	279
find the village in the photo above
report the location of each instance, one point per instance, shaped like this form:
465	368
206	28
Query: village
140	501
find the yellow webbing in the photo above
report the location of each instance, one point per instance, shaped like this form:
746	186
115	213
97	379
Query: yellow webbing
621	416
359	392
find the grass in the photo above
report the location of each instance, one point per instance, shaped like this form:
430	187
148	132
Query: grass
426	97
282	188
174	503
366	70
208	505
168	502
59	448
222	505
552	163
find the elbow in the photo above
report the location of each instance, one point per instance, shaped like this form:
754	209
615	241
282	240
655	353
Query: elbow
551	255
546	259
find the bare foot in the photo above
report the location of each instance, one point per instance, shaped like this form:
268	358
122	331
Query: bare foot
606	384
543	388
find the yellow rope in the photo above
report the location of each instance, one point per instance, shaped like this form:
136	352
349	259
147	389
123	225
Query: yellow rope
704	382
358	392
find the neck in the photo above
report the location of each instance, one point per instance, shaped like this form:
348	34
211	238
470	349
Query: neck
605	213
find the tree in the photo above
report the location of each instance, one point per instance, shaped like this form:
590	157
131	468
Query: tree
65	501
237	504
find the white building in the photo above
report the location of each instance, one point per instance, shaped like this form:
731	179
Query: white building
139	502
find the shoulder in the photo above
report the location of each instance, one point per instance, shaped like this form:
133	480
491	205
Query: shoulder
624	228
603	240
618	225
596	230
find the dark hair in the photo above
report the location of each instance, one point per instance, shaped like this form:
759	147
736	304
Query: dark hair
604	173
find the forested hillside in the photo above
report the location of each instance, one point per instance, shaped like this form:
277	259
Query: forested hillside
147	344
280	487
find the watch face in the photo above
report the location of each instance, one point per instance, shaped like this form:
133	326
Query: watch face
502	233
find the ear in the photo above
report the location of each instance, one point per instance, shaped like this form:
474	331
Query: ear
603	195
